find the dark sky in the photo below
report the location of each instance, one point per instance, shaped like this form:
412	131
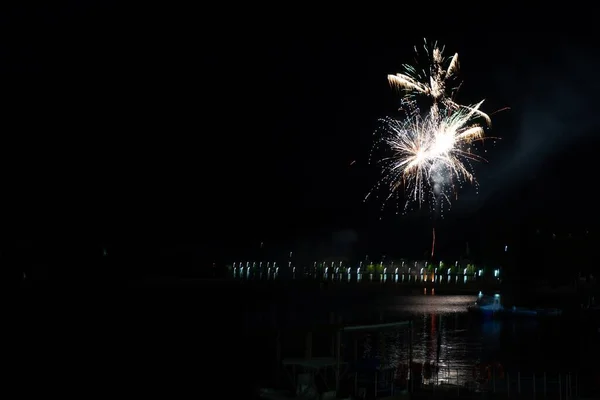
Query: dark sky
155	125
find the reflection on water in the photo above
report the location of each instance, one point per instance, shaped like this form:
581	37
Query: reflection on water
444	334
428	304
442	337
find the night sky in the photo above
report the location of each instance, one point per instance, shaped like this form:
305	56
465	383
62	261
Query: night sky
154	127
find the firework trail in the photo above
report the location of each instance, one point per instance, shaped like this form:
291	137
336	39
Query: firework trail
433	243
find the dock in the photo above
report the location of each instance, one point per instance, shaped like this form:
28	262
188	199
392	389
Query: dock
342	374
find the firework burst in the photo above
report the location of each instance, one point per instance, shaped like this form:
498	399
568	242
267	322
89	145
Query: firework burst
429	154
433	82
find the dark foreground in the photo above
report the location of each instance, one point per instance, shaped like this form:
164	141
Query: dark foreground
169	342
160	339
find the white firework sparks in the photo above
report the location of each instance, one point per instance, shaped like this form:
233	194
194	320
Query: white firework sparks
430	154
432	83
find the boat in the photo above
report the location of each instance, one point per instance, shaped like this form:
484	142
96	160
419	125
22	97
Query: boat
521	312
487	306
549	312
491	306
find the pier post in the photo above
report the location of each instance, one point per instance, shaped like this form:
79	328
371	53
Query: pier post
457	383
308	346
331	322
338	356
559	388
534	385
278	356
355	361
545	385
376	383
507	384
410	356
519	383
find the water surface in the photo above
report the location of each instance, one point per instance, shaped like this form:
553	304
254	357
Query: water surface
445	334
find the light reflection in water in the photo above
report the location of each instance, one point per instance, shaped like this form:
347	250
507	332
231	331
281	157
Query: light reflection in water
445	334
443	330
440	337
